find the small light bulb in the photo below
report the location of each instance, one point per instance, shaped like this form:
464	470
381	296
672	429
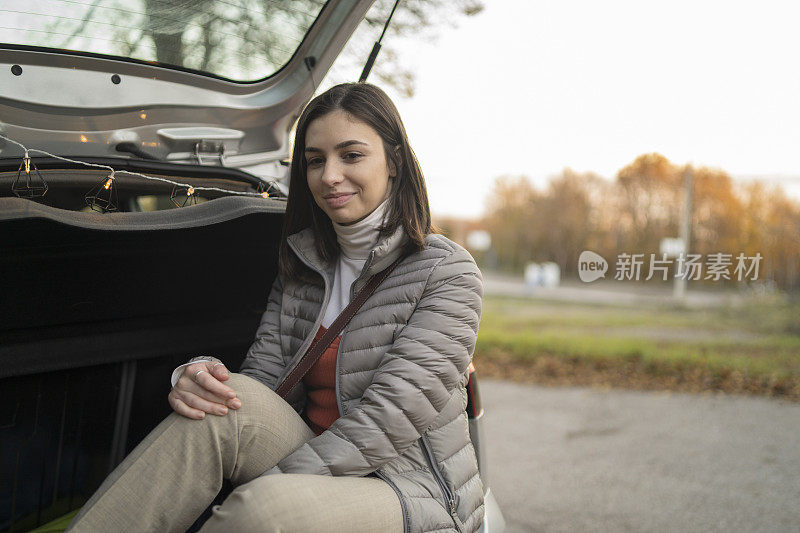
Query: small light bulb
265	194
143	116
109	181
84	139
190	191
27	164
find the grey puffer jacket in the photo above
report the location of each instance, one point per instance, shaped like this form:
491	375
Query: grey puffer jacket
401	375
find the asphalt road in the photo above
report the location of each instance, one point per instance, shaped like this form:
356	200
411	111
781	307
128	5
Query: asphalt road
579	459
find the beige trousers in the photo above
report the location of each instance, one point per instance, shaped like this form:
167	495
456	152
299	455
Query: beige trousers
178	469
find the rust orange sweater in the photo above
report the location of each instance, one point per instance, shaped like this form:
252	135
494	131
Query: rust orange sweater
320	382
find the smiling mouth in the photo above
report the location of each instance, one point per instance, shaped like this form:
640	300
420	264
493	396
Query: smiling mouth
338	199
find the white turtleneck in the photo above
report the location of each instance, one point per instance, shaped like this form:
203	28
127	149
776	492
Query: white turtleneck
355	242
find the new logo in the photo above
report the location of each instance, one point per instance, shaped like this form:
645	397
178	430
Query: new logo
591	266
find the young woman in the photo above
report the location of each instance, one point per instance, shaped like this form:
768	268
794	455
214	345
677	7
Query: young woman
381	440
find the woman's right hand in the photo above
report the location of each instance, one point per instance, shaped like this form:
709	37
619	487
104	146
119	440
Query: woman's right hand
201	390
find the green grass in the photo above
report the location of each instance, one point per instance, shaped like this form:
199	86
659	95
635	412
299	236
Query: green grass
760	340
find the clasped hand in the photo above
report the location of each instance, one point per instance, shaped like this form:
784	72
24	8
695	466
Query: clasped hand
201	390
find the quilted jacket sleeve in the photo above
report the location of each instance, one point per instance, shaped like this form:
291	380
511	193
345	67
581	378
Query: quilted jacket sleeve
264	361
413	383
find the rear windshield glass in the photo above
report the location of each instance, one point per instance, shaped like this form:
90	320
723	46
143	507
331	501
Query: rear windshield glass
242	40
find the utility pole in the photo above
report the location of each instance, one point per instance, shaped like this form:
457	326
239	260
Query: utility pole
679	290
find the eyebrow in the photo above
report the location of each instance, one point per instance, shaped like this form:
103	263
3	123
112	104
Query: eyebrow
339	146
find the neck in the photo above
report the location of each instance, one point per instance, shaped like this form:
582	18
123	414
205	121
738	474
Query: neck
357	239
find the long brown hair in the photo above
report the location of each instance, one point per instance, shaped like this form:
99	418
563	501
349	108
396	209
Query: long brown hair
408	198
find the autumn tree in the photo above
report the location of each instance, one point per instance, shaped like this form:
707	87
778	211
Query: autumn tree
562	218
509	221
650	191
551	225
771	227
717	213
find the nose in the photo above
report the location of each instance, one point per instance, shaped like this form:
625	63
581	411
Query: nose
332	173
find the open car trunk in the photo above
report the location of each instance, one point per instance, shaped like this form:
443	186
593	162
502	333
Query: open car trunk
96	310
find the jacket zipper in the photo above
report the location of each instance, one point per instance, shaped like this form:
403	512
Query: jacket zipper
406	518
364	268
448	496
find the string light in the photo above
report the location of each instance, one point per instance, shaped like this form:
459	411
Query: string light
182	200
34	185
32	190
103	198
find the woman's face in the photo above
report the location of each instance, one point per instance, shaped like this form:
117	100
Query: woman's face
347	170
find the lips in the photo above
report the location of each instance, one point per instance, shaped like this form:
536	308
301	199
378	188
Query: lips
338	199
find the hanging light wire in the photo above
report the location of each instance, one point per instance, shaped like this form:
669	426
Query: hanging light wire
113	172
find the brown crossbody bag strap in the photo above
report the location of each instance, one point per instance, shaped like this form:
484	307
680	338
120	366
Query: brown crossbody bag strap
318	347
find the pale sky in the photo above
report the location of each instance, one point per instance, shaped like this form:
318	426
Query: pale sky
531	87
